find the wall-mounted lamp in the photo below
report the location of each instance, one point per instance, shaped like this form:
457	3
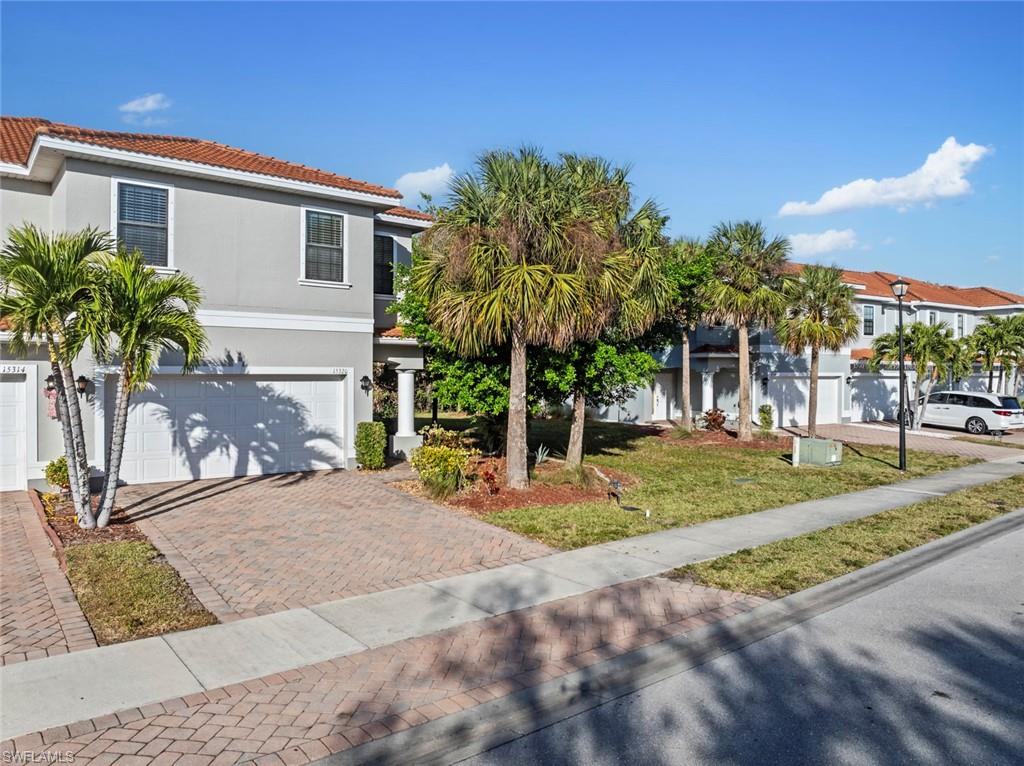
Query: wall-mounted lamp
764	383
81	383
50	384
849	379
365	383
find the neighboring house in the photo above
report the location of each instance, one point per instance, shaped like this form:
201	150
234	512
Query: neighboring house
296	269
847	390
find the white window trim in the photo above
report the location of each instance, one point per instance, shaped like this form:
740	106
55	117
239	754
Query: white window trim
394	262
863	321
114	181
346	285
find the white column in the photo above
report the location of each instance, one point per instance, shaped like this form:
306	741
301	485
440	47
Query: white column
406	403
707	390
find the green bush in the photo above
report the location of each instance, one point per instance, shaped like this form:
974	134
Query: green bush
57	473
435	436
371	445
765	420
442	469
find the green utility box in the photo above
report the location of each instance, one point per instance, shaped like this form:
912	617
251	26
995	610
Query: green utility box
817	451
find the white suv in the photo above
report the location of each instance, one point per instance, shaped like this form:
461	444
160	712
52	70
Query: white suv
976	413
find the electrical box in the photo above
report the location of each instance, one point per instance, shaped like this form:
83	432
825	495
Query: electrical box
817	451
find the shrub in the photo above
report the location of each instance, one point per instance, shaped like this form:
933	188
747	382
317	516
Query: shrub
435	436
714	420
371	445
57	473
442	469
765	420
542	454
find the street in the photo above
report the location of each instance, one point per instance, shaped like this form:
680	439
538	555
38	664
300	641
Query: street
928	670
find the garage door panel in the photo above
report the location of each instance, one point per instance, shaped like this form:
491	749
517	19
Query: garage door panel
209	427
790	397
13	437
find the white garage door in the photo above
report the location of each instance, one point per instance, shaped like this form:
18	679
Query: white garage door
789	397
12	432
209	426
874	397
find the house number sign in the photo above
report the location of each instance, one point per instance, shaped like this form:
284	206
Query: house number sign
13	369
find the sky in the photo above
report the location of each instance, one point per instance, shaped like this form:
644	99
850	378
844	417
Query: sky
875	136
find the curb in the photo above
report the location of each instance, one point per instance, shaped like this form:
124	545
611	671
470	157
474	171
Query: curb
470	732
58	546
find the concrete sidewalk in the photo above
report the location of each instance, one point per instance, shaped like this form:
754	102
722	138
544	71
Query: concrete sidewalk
61	690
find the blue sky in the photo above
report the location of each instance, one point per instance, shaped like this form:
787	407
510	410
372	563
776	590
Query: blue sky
723	111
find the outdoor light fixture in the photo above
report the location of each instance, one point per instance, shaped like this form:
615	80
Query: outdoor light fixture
764	382
50	384
849	379
81	383
899	289
365	383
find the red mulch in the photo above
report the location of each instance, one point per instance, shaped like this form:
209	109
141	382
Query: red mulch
477	498
727	439
62	521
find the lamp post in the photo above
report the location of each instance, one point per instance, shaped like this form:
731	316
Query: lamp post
899	289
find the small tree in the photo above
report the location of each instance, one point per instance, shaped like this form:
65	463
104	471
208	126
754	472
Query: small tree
988	339
148	314
819	315
746	287
930	347
51	293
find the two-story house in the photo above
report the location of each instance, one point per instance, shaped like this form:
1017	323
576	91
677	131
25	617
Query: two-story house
848	392
296	269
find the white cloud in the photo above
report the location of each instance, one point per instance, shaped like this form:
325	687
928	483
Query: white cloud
433	181
140	111
941	176
991	258
807	245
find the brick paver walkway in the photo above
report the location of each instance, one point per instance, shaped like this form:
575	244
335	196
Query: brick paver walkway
299	716
890	438
257	545
39	616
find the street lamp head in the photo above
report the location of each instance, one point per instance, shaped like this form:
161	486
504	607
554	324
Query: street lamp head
900	287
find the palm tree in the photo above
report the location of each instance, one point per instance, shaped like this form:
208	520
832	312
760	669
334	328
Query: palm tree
820	315
50	292
931	349
988	340
689	266
747	287
148	314
524	254
1014	352
962	359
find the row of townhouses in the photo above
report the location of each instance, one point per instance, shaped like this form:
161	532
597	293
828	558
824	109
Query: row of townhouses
296	265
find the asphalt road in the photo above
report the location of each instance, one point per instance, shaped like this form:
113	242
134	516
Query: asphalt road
928	670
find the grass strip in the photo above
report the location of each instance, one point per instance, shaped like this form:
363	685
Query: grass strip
787	566
128	591
988	442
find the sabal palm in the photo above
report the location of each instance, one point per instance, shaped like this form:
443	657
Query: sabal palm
51	292
931	348
520	256
149	314
747	287
819	315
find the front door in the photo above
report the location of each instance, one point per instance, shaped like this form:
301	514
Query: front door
663	399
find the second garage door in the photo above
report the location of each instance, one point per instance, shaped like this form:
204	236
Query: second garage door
209	426
789	397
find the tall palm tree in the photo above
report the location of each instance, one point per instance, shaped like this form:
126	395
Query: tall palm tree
524	254
51	293
688	266
1014	352
988	340
931	349
746	288
819	315
148	314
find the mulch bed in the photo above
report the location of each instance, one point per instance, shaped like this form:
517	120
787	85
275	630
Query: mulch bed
544	488
727	439
62	520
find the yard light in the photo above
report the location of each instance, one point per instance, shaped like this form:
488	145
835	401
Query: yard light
365	383
50	383
899	289
81	383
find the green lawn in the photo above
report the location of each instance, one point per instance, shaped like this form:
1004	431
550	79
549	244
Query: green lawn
685	484
993	442
127	591
786	566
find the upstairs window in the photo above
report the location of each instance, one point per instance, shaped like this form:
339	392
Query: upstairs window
324	245
959	325
869	320
933	317
142	217
383	265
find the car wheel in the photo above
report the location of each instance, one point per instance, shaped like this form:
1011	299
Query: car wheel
976	426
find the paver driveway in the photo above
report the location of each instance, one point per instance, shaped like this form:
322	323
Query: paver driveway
256	545
924	441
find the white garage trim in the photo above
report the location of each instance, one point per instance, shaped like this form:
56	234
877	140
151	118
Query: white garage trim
347	374
262	320
31	468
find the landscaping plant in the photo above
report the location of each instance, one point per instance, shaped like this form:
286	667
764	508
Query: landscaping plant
442	469
56	473
931	349
765	420
371	445
714	420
